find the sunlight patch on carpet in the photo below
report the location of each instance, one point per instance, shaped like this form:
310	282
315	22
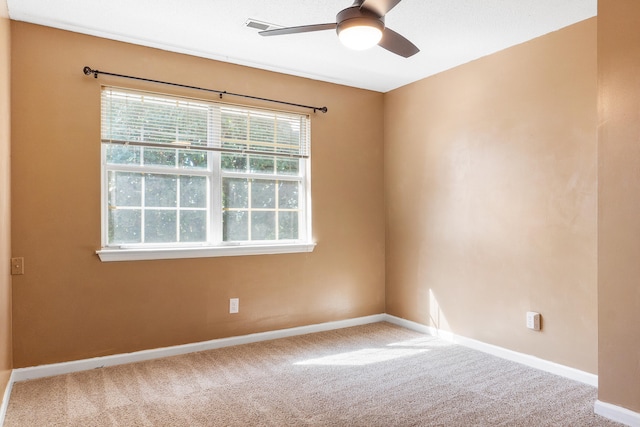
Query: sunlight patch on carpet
425	342
366	356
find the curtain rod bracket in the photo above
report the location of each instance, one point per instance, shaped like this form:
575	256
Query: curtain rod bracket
88	71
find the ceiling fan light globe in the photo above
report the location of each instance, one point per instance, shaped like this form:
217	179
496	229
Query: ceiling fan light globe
360	34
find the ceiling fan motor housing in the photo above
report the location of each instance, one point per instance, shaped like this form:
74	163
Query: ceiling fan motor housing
356	16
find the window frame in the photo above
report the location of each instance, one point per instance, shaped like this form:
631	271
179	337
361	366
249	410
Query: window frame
215	246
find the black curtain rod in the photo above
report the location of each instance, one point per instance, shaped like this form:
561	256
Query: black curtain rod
88	71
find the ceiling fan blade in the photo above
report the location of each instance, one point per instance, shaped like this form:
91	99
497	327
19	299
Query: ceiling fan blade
300	29
397	44
379	7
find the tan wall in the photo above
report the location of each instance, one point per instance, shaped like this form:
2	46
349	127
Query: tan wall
5	200
619	204
490	186
68	305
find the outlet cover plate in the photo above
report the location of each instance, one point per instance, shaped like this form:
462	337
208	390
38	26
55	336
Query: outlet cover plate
533	320
17	265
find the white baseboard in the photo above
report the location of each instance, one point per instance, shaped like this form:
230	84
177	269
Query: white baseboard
525	359
23	374
5	399
617	413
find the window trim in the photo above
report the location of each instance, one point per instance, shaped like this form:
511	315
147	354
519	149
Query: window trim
147	254
303	244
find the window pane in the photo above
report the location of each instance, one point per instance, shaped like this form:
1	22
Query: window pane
193	226
263	226
288	131
122	155
159	156
125	226
191	123
287	225
160	116
288	195
261	164
161	190
160	226
234	126
235	225
263	194
234	162
262	129
193	191
288	166
121	114
125	189
235	193
192	159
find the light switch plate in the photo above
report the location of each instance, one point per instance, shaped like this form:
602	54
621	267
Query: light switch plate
234	305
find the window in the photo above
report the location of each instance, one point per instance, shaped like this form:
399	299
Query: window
193	178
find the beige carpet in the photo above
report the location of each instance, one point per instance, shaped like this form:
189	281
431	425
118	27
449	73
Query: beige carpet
372	375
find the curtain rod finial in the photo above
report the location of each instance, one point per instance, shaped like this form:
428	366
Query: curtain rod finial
87	71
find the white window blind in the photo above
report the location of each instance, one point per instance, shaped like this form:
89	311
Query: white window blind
145	119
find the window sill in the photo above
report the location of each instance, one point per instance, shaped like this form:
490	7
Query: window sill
109	255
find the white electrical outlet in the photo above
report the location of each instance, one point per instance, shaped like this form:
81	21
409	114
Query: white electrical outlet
234	305
533	320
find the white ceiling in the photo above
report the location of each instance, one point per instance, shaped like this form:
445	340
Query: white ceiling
448	32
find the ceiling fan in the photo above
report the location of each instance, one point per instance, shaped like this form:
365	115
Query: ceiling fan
360	26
